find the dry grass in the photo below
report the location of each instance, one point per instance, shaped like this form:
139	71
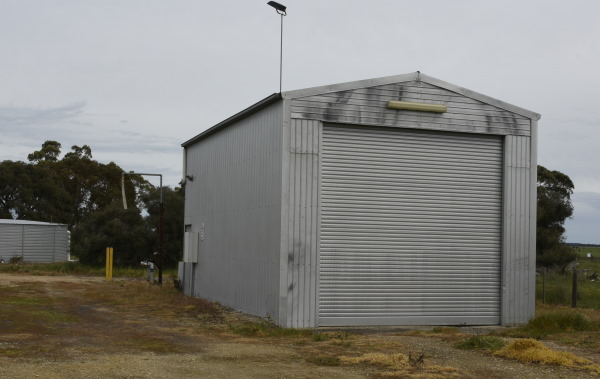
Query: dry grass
395	361
76	268
399	365
591	314
445	330
532	351
577	327
165	300
55	318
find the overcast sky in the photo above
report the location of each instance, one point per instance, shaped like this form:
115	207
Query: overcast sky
134	79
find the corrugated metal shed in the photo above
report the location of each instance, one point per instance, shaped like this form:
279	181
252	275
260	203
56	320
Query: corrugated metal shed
34	241
324	206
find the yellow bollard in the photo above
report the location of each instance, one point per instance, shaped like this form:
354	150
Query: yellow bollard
111	263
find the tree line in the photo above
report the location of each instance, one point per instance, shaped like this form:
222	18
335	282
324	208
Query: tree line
85	194
554	207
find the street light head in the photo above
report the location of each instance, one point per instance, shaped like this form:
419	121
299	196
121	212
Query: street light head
279	8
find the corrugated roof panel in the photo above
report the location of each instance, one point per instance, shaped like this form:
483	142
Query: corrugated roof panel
26	222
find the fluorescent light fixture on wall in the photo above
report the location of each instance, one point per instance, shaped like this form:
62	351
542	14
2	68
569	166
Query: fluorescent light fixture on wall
422	107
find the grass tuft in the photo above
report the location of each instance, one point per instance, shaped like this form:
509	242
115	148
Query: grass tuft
487	343
400	365
265	328
445	330
553	323
558	322
532	351
328	336
397	360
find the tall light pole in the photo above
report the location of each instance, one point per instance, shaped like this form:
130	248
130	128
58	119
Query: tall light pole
160	219
280	9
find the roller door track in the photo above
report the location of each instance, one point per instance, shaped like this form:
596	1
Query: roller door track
410	227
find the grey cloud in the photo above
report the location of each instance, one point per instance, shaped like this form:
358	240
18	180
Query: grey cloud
171	71
584	227
129	141
34	125
25	116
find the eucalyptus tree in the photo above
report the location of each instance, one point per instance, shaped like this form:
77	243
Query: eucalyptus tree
554	207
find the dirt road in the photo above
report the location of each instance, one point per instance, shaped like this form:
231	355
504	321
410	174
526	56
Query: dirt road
82	327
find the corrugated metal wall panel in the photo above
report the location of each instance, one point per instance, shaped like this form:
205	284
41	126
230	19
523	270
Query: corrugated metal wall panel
531	203
35	243
11	241
368	106
39	244
188	278
410	227
62	242
518	267
234	204
303	219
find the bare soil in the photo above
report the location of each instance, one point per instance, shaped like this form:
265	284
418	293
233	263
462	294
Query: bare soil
85	327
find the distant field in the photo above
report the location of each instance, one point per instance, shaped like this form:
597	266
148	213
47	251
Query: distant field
583	251
558	285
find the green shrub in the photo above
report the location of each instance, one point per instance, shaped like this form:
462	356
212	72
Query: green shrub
15	260
561	322
488	343
553	323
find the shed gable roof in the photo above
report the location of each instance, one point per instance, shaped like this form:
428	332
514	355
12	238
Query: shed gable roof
416	76
362	84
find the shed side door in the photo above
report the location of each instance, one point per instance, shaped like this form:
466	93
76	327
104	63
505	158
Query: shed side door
411	227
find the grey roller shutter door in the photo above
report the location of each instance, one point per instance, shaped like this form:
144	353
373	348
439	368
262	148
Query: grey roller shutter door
410	227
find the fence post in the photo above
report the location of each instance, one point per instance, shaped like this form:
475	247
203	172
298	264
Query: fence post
574	292
107	262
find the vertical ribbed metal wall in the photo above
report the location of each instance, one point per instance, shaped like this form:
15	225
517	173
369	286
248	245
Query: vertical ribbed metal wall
303	220
11	241
411	225
518	297
234	204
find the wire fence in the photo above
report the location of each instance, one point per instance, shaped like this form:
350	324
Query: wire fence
577	285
